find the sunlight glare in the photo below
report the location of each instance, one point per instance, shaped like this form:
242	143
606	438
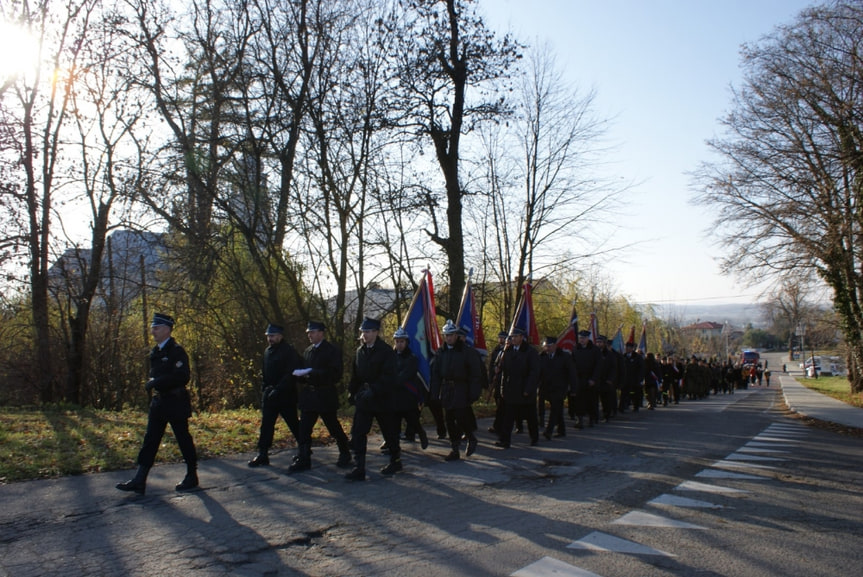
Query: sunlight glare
18	51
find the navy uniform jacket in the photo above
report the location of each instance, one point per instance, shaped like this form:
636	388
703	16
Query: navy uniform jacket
374	377
319	390
586	365
280	360
456	376
633	370
607	369
409	392
169	375
558	377
519	375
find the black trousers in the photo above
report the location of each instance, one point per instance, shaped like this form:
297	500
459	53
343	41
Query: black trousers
164	411
271	409
363	425
555	417
513	411
331	422
459	422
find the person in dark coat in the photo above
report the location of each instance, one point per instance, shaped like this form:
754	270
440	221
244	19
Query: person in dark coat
318	397
557	379
633	377
519	381
456	382
171	404
278	392
409	392
494	380
608	379
371	388
586	358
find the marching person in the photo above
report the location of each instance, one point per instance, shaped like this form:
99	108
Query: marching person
171	404
409	392
608	378
494	380
279	392
586	357
456	383
318	397
519	379
633	377
557	379
371	388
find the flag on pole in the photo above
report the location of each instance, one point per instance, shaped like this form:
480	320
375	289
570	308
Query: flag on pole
421	326
567	339
631	339
642	344
524	318
617	341
468	318
594	327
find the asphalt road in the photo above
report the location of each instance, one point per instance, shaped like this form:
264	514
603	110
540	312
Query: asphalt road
729	485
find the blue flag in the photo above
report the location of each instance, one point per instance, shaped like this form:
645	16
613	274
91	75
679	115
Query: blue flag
421	325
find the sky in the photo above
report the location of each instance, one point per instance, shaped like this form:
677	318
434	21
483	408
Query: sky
662	71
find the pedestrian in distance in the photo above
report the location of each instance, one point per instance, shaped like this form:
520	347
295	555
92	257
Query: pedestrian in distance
409	392
519	381
278	392
557	379
170	404
373	381
456	375
318	385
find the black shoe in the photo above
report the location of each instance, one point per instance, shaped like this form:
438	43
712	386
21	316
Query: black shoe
519	431
261	460
560	434
547	435
453	456
492	430
424	439
534	442
135	486
344	461
501	444
300	465
471	445
356	474
393	468
190	481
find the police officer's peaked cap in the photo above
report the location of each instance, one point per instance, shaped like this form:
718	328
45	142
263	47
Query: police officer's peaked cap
601	338
275	329
370	324
550	341
518	331
449	328
584	333
400	334
502	335
160	319
315	326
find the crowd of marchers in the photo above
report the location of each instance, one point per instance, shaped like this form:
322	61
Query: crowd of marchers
592	383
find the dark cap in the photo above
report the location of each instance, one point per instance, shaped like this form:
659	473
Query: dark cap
370	324
584	333
601	338
160	319
550	341
315	326
517	331
274	329
502	335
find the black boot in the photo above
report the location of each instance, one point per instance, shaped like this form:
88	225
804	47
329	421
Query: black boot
190	481
358	473
424	438
261	460
471	444
303	462
138	483
394	467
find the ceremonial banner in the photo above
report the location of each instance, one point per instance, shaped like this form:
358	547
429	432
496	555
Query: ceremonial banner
568	338
421	326
524	318
468	318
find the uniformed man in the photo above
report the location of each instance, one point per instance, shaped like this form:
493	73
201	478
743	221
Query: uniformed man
608	377
557	379
371	388
409	391
456	383
318	382
633	377
171	404
586	358
519	381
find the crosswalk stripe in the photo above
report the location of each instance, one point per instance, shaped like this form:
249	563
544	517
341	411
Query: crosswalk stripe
644	519
598	541
551	567
678	501
706	488
720	474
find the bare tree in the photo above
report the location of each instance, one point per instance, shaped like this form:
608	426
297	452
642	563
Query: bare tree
790	176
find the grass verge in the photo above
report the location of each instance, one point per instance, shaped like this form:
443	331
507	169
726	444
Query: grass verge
836	387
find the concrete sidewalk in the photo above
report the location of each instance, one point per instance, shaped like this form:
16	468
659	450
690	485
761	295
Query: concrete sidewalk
804	401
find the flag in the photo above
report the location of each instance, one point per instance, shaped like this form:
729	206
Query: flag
468	318
617	341
567	339
524	318
421	326
594	327
642	344
631	339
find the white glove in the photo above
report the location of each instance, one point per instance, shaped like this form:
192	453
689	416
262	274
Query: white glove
301	372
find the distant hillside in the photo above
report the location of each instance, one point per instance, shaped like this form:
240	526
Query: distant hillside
737	315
